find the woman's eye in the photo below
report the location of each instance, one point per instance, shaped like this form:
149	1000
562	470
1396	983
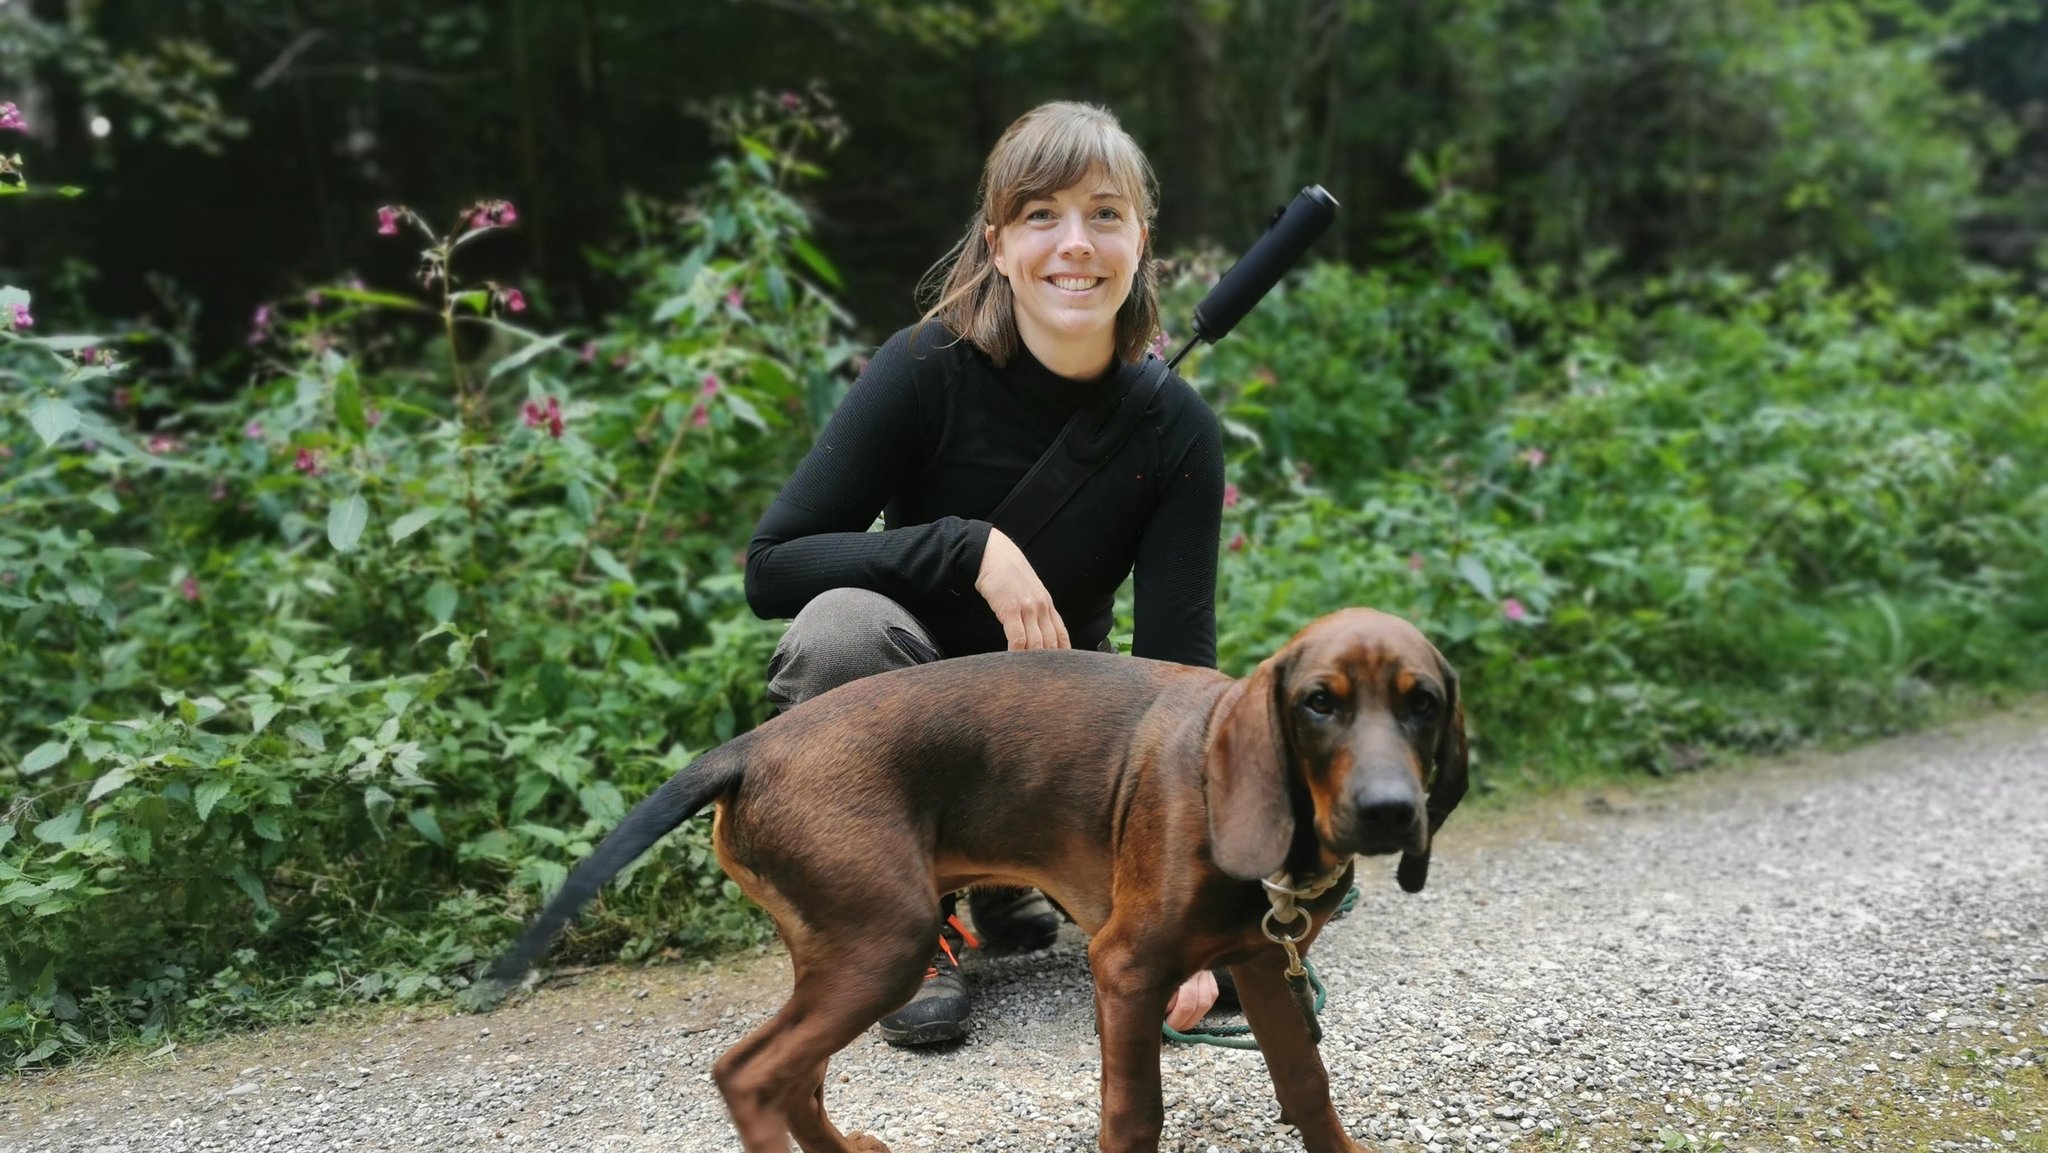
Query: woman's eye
1109	214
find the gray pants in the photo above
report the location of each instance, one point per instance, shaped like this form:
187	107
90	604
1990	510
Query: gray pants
843	635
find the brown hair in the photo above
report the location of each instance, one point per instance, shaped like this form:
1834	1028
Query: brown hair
1052	147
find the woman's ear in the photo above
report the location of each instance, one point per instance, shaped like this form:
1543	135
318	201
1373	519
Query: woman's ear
989	237
1244	777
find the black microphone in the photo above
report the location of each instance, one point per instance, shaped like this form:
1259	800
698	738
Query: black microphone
1288	235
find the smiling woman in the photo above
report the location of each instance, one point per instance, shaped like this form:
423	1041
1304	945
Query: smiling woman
1047	297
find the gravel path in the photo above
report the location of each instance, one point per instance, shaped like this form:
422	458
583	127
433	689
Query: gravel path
1849	952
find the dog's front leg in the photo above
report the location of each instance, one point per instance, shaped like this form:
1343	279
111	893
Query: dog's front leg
1299	1079
1131	990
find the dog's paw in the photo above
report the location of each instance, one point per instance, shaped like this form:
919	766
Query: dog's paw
866	1143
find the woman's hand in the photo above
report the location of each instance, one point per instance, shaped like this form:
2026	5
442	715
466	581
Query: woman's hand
1011	588
1192	1001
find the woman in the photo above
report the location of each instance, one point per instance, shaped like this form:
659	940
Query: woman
1047	294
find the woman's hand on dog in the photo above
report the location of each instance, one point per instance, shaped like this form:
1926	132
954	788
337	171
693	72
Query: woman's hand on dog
1012	589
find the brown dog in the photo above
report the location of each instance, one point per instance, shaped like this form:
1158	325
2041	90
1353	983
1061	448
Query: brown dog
1149	799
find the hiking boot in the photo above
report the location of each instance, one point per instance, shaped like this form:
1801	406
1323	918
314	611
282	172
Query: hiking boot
939	1010
1017	919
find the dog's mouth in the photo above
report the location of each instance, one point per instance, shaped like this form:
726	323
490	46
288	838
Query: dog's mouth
1376	830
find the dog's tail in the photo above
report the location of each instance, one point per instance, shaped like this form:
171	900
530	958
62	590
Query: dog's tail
676	801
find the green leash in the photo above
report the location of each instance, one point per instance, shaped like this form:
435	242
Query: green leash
1239	1036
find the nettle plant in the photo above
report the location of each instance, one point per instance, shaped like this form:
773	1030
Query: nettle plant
325	685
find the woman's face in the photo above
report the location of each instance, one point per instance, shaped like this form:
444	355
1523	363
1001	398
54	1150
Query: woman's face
1069	258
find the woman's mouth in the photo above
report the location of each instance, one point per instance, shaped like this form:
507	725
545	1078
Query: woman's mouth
1075	285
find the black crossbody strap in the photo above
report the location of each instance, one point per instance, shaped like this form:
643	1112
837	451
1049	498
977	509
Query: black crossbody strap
1091	437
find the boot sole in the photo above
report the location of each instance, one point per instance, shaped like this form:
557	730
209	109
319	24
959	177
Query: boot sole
929	1033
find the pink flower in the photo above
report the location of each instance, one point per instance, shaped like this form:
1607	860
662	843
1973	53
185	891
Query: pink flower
10	118
308	462
1513	610
735	298
159	445
790	102
1414	562
122	399
90	356
190	589
19	317
493	214
589	352
1533	457
515	300
699	417
506	213
1229	496
710	385
1237	543
387	221
259	325
373	417
548	416
622	360
253	430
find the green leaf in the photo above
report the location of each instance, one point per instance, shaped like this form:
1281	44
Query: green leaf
378	803
210	794
476	300
348	402
61	827
1474	571
441	602
603	558
346	521
757	148
251	887
815	260
66	343
52	418
113	779
744	409
43	756
262	713
125	554
603	802
266	826
376	299
423	821
526	355
412	522
308	735
104	500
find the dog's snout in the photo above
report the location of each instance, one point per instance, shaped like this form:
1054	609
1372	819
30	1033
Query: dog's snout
1384	816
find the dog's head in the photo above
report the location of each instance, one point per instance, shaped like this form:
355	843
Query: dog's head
1358	716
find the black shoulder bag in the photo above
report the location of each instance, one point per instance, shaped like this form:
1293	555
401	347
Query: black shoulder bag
1091	437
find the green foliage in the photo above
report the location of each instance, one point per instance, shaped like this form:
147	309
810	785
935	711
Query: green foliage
447	592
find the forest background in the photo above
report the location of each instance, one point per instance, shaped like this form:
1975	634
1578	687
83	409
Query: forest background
387	392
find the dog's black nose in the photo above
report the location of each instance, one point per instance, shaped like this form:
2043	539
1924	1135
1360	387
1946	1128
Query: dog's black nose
1383	815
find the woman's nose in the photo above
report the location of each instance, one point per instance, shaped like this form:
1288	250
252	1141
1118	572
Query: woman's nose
1074	238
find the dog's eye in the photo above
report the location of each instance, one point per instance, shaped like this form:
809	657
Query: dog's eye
1321	702
1421	704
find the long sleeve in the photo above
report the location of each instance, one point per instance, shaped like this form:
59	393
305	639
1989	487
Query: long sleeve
814	536
1175	593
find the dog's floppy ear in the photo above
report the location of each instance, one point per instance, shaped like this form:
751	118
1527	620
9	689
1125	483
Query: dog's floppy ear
1447	786
1244	774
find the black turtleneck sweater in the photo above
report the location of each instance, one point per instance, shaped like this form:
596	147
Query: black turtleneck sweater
934	436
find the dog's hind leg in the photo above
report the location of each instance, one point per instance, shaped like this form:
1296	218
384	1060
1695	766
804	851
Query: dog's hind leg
847	977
